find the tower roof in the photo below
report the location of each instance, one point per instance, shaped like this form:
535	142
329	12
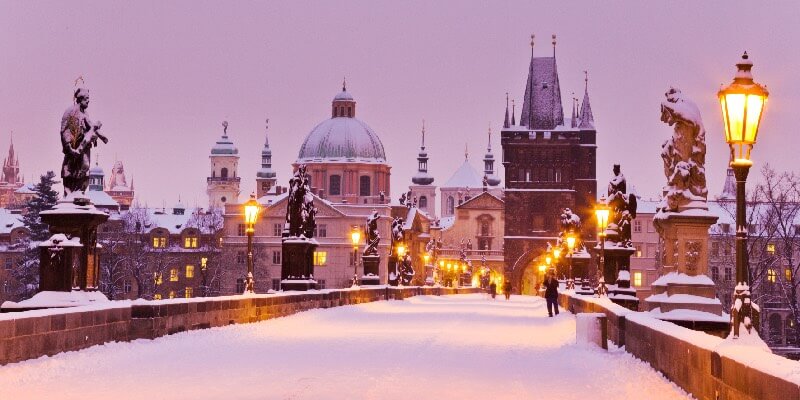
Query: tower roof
224	145
266	170
466	176
586	117
541	108
422	177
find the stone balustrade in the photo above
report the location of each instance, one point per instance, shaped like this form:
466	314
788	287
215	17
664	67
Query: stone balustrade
704	365
32	334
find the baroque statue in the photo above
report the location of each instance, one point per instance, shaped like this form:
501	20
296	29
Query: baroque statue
622	207
78	136
372	234
301	213
684	154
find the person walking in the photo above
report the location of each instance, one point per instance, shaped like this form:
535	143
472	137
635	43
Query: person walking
507	289
551	293
493	289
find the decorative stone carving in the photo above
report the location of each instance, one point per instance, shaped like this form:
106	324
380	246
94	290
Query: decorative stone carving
78	136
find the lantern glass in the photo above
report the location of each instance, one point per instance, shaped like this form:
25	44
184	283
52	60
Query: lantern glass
401	250
601	212
355	236
548	260
571	242
742	103
251	209
542	268
556	253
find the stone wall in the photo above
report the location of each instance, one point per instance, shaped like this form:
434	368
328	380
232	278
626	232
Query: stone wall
33	334
699	363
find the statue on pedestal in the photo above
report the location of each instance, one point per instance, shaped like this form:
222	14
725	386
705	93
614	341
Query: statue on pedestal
301	212
623	209
684	154
373	236
78	136
298	244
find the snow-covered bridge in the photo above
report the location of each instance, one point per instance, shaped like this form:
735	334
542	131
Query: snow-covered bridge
427	347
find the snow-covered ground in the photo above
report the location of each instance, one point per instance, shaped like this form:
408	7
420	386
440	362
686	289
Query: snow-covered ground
450	347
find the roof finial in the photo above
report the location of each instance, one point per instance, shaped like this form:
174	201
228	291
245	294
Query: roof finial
423	134
466	152
506	122
532	41
266	133
554	45
224	128
586	81
489	147
344	84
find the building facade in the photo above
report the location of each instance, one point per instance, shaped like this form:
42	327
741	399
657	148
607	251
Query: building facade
550	164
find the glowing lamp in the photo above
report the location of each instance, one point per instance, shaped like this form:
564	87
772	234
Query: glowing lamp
426	257
355	236
251	210
401	250
542	268
556	253
601	212
570	241
742	107
548	260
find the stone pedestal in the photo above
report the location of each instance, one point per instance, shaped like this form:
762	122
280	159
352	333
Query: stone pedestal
69	268
617	269
297	264
684	294
371	270
393	276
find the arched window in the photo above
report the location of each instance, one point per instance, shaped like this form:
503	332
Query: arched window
423	202
365	189
451	205
223	173
335	185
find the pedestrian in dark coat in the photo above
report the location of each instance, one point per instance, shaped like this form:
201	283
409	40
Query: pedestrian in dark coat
507	289
551	293
493	289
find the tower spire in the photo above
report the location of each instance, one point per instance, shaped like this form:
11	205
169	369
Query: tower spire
506	123
554	46
344	84
513	113
423	134
488	164
586	117
422	177
466	152
574	120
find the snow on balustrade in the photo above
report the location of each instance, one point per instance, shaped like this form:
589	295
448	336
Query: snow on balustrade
426	347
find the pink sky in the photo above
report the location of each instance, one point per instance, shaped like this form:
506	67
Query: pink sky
163	75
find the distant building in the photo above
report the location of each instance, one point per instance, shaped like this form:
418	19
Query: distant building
423	191
11	181
118	187
222	186
345	157
13	235
550	164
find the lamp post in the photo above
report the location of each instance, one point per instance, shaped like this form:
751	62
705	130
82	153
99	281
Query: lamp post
601	212
355	237
742	106
204	270
438	276
570	247
251	210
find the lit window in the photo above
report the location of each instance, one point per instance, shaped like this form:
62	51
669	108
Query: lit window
157	278
157	296
771	275
173	275
190	242
188	292
159	242
637	279
320	258
788	274
638	248
771	249
171	294
190	271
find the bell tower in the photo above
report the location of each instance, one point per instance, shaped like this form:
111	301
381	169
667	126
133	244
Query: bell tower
265	177
222	186
423	188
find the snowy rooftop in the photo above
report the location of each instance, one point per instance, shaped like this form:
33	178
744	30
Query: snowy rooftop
466	176
9	221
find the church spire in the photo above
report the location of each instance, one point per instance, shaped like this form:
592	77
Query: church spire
422	177
488	163
574	119
586	117
513	113
11	165
266	177
506	122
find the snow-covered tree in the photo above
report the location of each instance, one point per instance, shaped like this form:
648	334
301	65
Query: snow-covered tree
26	271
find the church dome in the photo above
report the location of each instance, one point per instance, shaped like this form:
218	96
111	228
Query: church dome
342	137
97	170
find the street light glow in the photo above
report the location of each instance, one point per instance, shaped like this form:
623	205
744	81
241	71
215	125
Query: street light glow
355	236
742	105
251	210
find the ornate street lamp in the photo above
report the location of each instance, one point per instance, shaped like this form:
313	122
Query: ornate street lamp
570	246
601	212
401	253
251	210
742	107
355	237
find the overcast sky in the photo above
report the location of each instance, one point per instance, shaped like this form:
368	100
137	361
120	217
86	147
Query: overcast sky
163	75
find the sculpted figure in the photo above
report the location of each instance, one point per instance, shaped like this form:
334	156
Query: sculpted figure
78	136
622	207
684	154
373	236
301	213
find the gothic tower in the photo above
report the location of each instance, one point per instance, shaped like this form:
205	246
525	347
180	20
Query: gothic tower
222	186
